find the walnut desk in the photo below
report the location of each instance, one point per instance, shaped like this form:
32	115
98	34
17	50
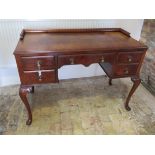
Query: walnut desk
40	53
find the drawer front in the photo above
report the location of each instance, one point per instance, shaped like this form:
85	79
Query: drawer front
129	57
38	63
125	70
85	59
32	77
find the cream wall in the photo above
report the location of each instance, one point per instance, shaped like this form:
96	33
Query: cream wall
9	35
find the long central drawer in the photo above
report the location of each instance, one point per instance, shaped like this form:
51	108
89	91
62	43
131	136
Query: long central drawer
85	59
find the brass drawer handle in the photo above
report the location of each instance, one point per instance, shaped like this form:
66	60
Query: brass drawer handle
39	64
71	61
126	71
129	58
39	70
102	59
39	75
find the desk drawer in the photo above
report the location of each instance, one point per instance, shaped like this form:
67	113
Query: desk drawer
85	59
33	77
125	70
34	63
129	57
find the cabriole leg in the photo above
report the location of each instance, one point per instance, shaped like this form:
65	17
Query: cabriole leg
136	81
23	91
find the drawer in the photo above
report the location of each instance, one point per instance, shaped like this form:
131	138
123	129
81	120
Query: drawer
125	70
39	62
33	77
129	57
85	59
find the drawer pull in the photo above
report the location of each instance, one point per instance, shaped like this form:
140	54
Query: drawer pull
39	75
38	64
71	61
130	59
39	70
126	71
102	59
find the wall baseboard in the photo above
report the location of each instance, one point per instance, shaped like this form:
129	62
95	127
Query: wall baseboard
8	76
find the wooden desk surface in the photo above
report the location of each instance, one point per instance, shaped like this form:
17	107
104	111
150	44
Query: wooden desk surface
34	42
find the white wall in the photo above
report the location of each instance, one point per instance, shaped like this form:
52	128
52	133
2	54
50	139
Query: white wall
9	35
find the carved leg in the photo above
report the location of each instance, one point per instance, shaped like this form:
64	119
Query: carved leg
110	82
136	81
23	91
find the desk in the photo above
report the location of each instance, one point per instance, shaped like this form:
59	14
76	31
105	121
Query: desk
40	53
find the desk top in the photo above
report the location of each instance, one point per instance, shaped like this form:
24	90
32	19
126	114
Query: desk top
76	40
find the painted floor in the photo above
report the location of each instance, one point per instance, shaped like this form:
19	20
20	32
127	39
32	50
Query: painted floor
87	106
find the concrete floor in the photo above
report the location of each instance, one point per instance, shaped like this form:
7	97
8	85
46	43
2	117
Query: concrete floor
79	106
